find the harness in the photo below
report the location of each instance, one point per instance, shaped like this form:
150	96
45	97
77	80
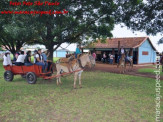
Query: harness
68	62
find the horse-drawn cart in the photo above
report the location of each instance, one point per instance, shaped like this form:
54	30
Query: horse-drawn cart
30	72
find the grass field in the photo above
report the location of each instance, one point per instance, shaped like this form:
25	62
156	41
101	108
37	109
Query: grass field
104	97
149	70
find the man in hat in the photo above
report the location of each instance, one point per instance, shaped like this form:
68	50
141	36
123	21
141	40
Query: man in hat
45	56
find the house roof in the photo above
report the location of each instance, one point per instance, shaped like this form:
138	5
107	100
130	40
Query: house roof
129	42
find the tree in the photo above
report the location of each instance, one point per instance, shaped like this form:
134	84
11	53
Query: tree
13	36
146	16
15	31
160	41
85	20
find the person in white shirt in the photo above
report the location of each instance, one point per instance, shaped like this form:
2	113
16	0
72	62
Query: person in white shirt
122	51
7	59
40	61
20	60
111	59
104	57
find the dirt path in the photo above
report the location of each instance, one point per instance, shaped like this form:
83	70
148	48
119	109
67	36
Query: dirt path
113	69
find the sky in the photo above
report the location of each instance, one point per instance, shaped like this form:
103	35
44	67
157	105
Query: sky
125	32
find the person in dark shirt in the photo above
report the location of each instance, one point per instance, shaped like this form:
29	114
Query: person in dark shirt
27	60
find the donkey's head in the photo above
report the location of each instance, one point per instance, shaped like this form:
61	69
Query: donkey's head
88	59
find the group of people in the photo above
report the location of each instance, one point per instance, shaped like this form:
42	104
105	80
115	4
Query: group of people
128	57
109	58
20	59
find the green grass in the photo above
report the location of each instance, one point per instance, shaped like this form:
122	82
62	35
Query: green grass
150	70
104	97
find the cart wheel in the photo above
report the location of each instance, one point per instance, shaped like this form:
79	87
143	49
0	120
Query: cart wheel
31	78
8	76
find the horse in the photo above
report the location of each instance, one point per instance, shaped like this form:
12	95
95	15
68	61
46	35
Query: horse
75	66
122	63
130	62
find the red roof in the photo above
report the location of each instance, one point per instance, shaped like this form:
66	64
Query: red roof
129	42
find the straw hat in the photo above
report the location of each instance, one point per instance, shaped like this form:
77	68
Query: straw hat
44	50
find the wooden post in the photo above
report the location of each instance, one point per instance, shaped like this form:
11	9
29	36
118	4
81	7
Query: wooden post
118	47
82	50
131	52
113	53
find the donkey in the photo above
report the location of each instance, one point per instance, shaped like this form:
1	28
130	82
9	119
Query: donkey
122	64
75	66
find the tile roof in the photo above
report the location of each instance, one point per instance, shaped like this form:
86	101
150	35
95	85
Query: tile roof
129	42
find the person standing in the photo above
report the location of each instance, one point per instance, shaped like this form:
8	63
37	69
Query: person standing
27	61
94	55
111	59
104	57
7	59
77	51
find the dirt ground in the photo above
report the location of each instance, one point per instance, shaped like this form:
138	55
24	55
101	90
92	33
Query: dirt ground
113	69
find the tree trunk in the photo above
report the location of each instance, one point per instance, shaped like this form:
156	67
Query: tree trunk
51	50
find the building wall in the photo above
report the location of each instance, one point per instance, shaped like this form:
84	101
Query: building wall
146	53
59	54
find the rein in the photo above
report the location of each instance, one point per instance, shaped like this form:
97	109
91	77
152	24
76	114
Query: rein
55	76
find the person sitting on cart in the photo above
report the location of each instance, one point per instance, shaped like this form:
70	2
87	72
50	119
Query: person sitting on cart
20	60
45	56
39	60
27	61
7	59
16	56
35	52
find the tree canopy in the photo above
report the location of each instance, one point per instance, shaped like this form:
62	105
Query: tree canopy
86	19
